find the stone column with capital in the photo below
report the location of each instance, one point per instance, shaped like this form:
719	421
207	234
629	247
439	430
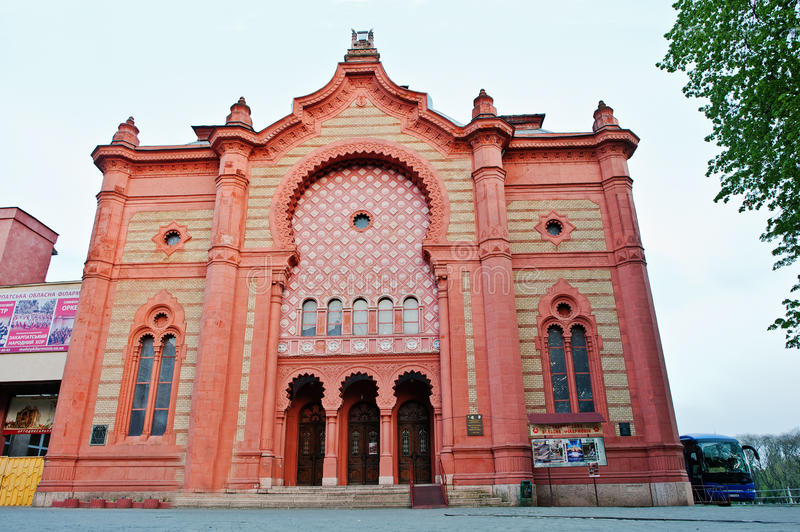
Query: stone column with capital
206	467
512	455
445	428
81	371
386	464
330	461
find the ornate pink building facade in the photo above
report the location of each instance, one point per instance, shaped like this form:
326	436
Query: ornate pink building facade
365	292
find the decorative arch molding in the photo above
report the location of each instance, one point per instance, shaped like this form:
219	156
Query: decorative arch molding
427	375
357	376
295	381
355	151
553	311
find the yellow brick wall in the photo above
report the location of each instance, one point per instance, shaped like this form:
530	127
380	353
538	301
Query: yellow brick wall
596	286
139	246
523	216
469	333
246	357
129	296
367	121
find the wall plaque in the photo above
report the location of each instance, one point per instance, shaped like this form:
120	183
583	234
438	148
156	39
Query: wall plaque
474	424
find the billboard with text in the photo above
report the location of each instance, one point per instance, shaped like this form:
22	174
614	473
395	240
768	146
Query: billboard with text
37	319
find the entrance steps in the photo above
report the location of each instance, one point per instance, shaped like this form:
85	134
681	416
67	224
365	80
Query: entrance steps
472	498
302	497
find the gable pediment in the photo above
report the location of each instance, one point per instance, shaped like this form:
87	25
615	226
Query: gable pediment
362	84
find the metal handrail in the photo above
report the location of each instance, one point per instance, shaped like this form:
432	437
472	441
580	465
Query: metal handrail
443	480
411	482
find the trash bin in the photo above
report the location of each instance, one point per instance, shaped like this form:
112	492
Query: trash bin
525	493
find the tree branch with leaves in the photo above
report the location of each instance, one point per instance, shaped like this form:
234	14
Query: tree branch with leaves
742	58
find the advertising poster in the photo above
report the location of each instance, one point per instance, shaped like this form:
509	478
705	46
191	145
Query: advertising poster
37	320
566	452
30	415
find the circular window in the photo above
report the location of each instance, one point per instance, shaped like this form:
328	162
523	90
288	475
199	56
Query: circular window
172	238
553	227
563	310
361	220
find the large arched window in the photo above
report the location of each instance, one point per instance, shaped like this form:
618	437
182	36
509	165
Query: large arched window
152	391
309	317
334	317
410	316
570	376
151	371
385	316
360	317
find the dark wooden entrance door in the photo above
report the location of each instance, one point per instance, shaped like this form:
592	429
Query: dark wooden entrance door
364	444
414	442
311	445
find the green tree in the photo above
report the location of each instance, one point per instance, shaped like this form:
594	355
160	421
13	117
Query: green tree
779	464
742	58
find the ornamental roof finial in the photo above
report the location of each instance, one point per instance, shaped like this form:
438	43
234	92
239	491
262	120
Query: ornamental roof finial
604	116
240	114
362	47
127	134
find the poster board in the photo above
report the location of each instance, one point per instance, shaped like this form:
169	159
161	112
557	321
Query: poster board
568	452
37	319
30	414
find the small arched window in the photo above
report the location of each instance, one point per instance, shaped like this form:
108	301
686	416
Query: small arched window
580	365
385	316
410	316
360	317
141	387
309	318
558	369
334	318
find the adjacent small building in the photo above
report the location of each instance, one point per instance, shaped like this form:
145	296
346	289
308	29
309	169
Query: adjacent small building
368	292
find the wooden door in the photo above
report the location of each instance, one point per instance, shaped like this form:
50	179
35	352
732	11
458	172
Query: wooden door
311	445
414	443
364	444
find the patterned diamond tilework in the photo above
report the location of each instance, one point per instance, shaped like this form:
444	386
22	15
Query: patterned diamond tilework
338	260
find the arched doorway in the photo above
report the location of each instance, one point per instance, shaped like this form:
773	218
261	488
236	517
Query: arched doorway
414	442
364	446
311	445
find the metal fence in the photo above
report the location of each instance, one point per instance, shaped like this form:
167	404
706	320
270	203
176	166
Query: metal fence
721	495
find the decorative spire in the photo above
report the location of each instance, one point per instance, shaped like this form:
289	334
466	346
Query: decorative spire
240	115
483	105
604	116
362	47
127	134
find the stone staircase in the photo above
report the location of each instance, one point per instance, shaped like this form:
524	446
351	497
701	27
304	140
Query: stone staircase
302	497
472	498
395	496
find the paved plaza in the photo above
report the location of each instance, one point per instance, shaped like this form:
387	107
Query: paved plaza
753	518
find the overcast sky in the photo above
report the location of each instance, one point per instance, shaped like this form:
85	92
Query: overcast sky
72	71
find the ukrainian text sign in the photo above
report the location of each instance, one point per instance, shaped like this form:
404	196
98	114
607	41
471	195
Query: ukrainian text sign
37	320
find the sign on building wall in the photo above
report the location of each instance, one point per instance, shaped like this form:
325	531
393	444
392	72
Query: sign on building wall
568	452
37	320
30	415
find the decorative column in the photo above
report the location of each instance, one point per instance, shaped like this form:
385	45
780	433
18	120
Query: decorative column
386	465
271	378
330	463
445	419
205	468
644	357
79	384
488	136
